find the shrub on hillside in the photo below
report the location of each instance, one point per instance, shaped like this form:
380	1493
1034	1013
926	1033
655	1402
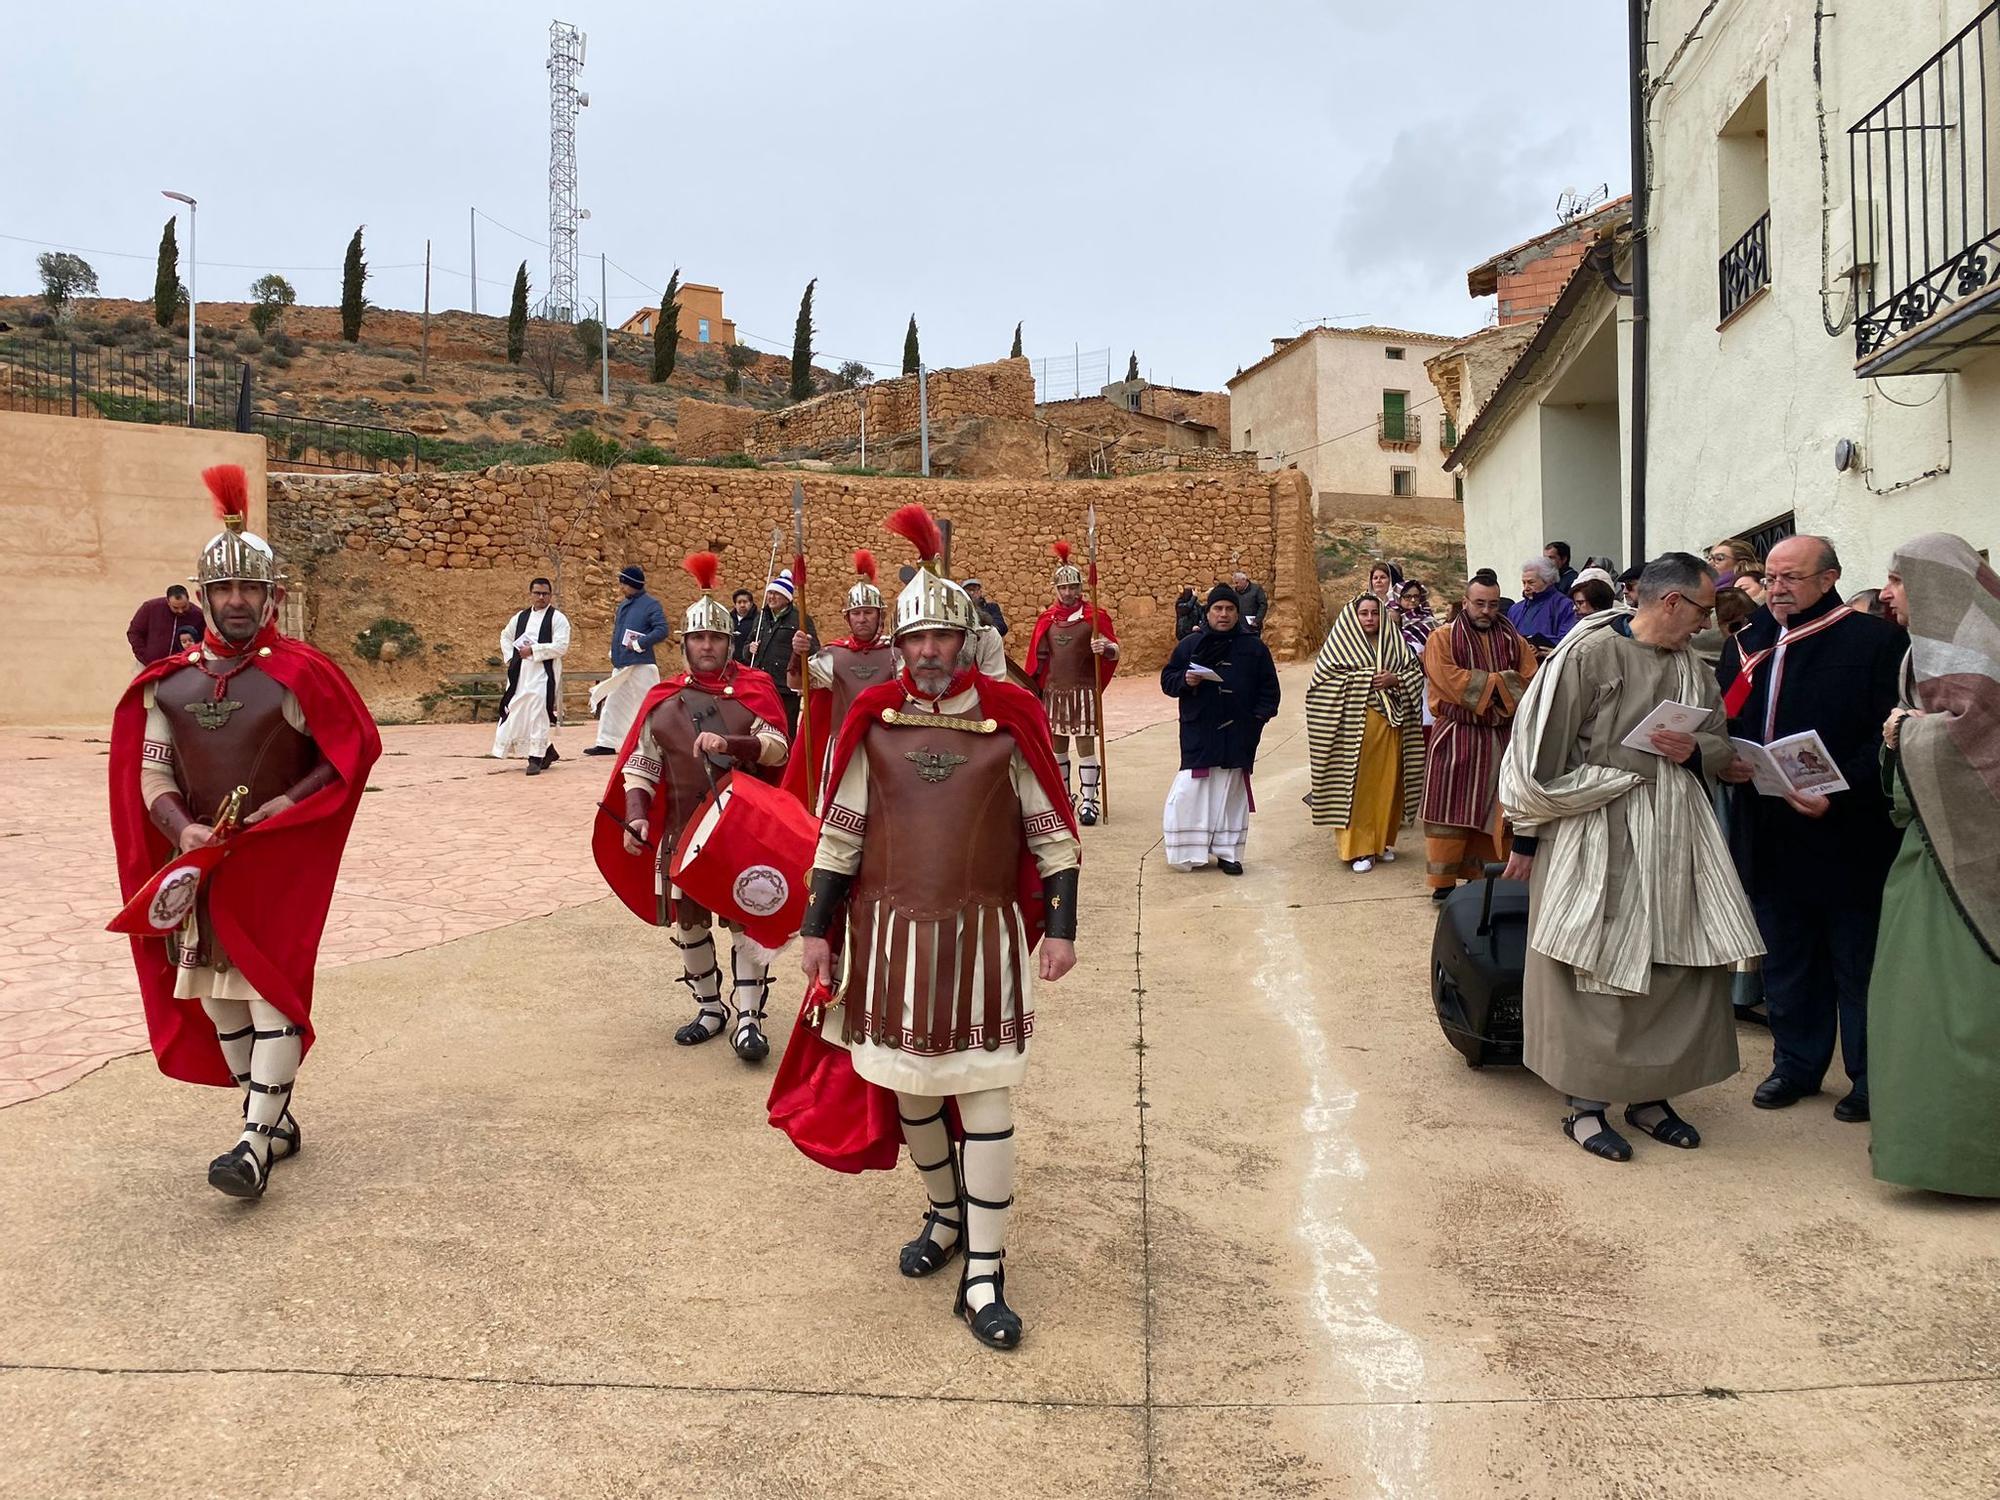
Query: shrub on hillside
651	453
586	447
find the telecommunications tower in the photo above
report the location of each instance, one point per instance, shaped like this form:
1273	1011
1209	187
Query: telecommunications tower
566	101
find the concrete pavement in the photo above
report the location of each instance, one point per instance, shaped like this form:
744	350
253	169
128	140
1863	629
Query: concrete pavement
1273	1239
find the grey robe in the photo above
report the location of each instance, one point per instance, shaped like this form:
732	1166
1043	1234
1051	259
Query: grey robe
1681	1035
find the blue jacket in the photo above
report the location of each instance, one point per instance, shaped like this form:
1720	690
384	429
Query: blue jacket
1546	618
643	614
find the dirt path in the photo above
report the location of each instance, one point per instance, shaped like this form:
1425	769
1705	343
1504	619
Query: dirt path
1274	1239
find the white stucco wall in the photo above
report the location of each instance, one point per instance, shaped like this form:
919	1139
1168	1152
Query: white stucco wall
1745	418
1503	500
1316	405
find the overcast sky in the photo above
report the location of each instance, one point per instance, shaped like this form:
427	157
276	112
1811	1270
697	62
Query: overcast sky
1187	180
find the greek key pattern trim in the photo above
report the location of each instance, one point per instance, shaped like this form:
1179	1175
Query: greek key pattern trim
846	820
1049	821
156	752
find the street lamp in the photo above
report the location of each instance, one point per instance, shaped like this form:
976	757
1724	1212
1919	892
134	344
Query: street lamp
184	198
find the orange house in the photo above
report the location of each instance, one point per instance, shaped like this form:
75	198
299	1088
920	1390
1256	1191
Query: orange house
702	321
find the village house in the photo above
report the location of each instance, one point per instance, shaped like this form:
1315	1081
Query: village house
1824	243
701	320
1350	408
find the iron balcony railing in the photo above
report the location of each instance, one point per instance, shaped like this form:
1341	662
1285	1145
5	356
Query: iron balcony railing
1447	435
1397	429
1921	189
1745	267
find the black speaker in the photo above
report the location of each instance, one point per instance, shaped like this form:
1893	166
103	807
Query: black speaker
1477	959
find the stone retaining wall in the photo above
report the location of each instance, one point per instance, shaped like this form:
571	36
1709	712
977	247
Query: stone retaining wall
452	553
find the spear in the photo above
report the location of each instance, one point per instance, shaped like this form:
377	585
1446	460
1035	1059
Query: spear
803	740
1097	683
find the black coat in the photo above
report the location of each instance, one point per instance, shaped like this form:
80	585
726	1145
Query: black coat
1841	682
1188	612
1253	604
1221	722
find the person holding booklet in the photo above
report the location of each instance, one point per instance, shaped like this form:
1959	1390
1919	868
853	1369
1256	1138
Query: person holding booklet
1807	686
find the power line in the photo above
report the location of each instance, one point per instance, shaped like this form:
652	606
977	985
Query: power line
1339	436
543	244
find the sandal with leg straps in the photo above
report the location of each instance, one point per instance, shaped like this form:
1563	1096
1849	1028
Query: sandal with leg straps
286	1132
996	1325
924	1256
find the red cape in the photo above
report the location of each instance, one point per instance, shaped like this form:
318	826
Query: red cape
1106	665
630	876
269	896
1019	713
819	717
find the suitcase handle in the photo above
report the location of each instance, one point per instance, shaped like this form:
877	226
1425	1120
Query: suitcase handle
1493	873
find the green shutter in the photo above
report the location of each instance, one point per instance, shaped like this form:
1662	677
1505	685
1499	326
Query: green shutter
1392	415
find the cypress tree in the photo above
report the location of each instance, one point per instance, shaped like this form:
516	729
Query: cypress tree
667	331
1015	352
167	279
911	358
802	346
517	316
1132	366
353	276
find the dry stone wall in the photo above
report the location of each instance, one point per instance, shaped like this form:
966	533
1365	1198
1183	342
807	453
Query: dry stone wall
834	421
451	554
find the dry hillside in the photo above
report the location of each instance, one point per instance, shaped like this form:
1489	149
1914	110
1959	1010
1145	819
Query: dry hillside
472	409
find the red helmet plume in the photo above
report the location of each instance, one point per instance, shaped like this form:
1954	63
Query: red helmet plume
1062	551
230	487
864	564
703	568
914	524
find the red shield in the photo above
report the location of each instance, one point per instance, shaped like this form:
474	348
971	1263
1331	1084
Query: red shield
163	902
745	854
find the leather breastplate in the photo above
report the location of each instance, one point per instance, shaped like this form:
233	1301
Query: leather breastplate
683	775
253	747
1071	663
944	823
854	672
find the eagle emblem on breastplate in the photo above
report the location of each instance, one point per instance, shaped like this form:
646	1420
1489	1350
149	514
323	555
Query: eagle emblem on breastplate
934	765
865	673
212	715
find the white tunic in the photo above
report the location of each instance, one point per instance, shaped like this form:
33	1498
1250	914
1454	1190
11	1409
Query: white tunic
526	729
617	700
1207	817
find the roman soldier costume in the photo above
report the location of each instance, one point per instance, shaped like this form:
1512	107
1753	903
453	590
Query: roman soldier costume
659	783
947	851
1072	655
840	672
236	770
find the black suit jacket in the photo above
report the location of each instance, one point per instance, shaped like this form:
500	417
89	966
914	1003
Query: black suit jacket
1841	682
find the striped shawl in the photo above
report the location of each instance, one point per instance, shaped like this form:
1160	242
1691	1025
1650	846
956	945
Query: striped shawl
1949	755
1682	903
1337	702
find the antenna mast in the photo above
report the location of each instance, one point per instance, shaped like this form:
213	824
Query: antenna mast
566	101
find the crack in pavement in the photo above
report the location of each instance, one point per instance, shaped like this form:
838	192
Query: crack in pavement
1148	1406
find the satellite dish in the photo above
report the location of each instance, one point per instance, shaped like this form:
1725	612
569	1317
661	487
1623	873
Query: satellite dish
1845	455
583	99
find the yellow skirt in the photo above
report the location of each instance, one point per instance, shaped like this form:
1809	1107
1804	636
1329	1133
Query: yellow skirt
1378	792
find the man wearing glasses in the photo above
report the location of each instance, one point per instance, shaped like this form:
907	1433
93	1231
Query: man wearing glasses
533	643
1636	914
1815	865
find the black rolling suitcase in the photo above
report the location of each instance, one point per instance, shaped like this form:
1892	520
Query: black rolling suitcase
1477	959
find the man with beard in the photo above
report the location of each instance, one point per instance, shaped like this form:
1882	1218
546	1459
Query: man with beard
238	764
1477	669
533	643
715	717
947	852
840	671
1227	685
1071	656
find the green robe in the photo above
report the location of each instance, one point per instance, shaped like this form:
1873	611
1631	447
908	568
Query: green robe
1933	1032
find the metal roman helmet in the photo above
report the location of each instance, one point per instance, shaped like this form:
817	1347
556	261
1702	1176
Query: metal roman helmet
706	614
929	601
234	554
867	593
1067	572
